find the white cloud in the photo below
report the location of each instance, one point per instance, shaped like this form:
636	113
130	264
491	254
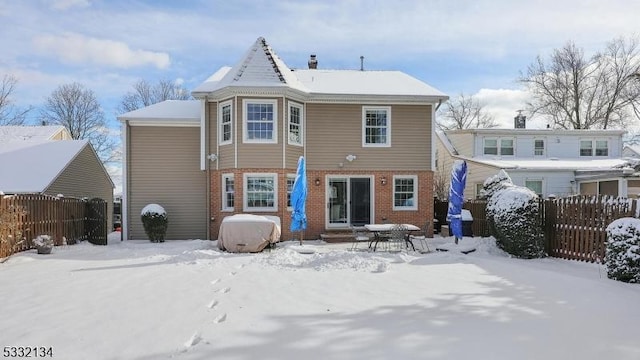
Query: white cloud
503	105
76	48
67	4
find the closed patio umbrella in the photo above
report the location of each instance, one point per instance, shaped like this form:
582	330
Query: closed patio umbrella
456	197
299	199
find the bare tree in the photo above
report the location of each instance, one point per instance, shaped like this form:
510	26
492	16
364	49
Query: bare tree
464	112
10	114
145	94
77	109
574	92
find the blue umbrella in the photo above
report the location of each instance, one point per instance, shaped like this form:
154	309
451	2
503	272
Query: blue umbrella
456	197
299	199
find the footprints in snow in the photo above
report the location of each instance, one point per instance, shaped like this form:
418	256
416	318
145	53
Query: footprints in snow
197	338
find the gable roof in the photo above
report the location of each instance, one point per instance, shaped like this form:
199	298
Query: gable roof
262	67
16	132
40	163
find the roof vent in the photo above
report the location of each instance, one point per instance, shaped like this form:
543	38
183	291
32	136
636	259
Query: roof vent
313	63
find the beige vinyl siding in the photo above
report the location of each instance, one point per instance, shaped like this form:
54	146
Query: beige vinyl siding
226	153
164	168
85	176
335	130
463	143
251	155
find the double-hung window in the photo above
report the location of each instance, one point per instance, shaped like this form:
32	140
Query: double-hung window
260	121
591	147
538	147
295	124
376	126
228	192
405	192
260	192
602	148
498	146
224	116
291	178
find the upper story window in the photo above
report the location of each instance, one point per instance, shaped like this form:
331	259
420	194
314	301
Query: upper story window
405	194
295	124
376	126
587	147
602	148
260	192
538	147
225	131
499	146
260	121
228	192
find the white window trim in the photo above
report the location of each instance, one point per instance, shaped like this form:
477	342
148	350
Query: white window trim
224	206
245	199
301	125
415	193
594	148
364	125
544	147
499	145
245	130
290	176
220	124
542	184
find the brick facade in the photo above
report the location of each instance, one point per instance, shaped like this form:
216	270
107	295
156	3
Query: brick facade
316	199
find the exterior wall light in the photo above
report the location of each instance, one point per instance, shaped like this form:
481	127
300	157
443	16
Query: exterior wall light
350	157
317	181
383	180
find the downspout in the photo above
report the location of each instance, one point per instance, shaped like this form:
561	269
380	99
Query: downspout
124	201
204	138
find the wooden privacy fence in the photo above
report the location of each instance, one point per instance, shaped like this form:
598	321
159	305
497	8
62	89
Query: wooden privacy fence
574	227
580	228
66	220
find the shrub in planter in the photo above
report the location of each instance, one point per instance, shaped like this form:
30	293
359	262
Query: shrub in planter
622	258
155	222
43	243
513	214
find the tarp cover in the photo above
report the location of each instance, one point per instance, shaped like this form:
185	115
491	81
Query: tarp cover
248	232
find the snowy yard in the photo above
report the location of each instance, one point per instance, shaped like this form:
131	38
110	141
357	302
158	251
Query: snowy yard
187	300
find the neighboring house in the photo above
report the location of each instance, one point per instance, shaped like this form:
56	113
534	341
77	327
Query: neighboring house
367	137
550	162
37	164
34	133
631	151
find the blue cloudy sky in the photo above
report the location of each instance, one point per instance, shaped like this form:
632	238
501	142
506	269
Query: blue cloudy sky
472	46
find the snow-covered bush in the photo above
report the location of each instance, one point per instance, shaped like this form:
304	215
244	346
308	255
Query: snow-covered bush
43	243
155	222
622	258
513	216
495	183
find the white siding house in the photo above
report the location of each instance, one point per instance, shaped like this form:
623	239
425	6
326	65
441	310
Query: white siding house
550	162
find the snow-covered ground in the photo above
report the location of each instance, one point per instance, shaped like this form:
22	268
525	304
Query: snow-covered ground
187	300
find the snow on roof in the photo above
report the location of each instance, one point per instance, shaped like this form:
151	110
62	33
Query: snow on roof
43	132
37	163
357	82
445	141
549	164
169	110
262	67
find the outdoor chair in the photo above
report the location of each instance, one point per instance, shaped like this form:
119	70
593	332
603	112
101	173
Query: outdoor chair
421	239
360	235
397	237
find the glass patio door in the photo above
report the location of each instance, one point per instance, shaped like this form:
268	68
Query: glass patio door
348	201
